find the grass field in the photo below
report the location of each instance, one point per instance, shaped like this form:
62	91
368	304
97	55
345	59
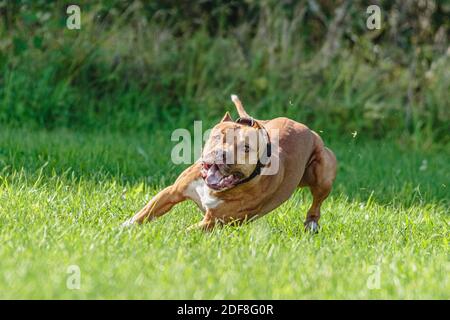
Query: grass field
64	195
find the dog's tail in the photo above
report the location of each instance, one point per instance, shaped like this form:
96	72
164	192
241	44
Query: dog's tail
239	107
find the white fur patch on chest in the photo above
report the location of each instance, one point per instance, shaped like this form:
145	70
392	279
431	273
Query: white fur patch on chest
200	193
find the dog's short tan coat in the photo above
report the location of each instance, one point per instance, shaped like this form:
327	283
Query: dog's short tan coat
304	161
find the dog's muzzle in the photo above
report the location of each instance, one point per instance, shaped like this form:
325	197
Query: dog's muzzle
215	178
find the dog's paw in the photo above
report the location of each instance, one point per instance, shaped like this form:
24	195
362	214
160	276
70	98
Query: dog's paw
312	226
130	222
192	228
201	226
195	227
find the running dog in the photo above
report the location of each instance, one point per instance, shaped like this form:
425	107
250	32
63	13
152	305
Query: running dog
232	191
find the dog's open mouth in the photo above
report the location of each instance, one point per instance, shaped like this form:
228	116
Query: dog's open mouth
217	180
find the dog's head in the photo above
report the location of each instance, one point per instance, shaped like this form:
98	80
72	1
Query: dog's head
233	152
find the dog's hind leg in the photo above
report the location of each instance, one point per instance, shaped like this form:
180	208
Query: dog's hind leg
319	177
319	193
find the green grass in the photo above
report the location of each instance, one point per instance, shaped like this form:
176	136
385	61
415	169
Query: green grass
144	69
64	194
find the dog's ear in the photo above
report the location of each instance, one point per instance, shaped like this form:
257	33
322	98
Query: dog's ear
226	117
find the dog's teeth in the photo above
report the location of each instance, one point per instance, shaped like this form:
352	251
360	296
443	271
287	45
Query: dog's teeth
213	175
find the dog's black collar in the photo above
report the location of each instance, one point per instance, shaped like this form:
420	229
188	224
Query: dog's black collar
259	165
255	173
246	121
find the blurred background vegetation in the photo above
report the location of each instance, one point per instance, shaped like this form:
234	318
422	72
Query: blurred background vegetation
141	65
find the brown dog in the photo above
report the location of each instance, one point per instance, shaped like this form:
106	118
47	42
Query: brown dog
236	191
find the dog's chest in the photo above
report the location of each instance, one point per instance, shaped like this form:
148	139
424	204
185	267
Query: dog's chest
200	193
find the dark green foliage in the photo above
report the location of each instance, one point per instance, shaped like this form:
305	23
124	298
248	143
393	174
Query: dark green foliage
139	65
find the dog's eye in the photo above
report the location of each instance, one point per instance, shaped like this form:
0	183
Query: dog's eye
246	148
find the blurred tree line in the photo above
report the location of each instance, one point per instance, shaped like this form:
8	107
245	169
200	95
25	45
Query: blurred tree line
140	64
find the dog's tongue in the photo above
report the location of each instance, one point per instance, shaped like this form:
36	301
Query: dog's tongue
213	175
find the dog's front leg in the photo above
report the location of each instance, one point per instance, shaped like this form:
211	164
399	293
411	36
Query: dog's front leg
159	205
167	198
207	224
